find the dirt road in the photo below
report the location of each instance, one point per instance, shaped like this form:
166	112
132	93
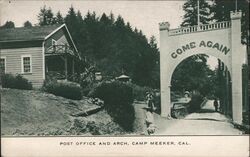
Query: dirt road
206	122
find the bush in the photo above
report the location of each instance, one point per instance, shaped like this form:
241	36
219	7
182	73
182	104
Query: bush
118	99
139	93
64	89
195	103
157	102
90	89
16	82
245	118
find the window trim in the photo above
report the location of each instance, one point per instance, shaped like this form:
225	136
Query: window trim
4	57
22	66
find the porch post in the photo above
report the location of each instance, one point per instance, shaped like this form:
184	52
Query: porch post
46	65
66	67
73	66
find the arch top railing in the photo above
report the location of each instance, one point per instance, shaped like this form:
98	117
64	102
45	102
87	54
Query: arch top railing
200	28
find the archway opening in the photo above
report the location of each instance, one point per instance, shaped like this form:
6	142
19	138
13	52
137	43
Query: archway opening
196	83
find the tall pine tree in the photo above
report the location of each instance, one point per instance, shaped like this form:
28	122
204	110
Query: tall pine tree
222	8
191	12
59	18
46	17
192	73
8	24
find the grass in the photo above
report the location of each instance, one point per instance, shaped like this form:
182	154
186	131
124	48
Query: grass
38	113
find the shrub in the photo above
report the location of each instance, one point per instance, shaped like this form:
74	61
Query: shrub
118	99
139	93
157	102
90	89
245	118
16	82
195	103
64	89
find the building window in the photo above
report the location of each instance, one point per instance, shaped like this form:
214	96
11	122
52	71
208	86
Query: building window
54	42
26	64
2	65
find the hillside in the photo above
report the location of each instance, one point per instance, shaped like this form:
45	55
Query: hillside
32	112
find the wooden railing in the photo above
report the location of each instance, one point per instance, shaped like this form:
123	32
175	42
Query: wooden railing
59	49
200	28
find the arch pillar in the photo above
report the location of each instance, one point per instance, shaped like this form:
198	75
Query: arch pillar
164	68
237	60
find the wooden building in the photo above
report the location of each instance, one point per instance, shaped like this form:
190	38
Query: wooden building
36	52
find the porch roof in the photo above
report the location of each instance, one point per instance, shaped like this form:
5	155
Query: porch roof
26	33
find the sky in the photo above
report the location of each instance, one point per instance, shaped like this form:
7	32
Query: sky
144	15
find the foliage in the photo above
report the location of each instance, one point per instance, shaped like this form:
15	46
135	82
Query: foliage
104	40
221	10
193	74
87	77
157	102
190	18
139	93
8	24
27	24
118	99
64	89
245	120
195	103
90	89
16	82
46	17
59	18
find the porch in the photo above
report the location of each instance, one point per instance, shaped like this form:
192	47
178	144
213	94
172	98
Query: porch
61	62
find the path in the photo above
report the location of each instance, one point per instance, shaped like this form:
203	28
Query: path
206	122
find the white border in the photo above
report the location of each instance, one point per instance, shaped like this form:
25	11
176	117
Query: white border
22	56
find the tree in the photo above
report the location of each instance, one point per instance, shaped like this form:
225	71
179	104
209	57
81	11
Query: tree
152	42
79	16
193	74
221	10
112	46
191	15
46	17
8	24
27	24
71	18
59	19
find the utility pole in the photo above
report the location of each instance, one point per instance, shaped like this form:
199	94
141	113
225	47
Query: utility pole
236	7
198	12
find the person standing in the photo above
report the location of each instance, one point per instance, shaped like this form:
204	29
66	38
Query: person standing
150	121
216	105
150	101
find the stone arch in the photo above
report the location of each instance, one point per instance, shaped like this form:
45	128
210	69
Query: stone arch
221	40
171	72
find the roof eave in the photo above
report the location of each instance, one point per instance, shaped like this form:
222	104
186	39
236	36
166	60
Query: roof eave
63	25
7	41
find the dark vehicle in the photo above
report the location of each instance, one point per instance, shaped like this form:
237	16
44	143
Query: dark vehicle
179	108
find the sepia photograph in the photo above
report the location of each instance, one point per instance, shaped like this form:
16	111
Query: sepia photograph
124	69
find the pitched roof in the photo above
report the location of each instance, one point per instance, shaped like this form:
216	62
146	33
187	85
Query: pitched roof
26	34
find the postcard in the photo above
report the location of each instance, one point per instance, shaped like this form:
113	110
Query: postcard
124	78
